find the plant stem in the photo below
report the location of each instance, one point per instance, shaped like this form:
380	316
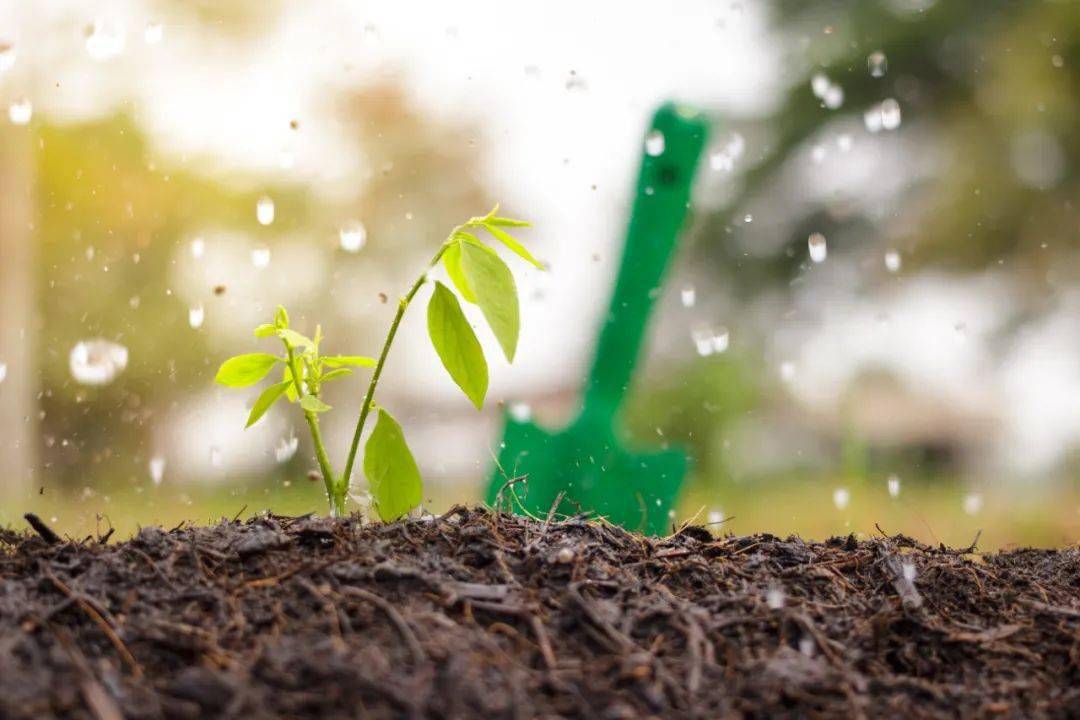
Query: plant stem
369	397
337	499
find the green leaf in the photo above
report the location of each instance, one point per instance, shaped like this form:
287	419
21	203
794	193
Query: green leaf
452	262
266	399
348	360
511	242
310	403
281	318
294	339
456	344
290	392
265	330
508	222
391	471
496	294
244	370
334	374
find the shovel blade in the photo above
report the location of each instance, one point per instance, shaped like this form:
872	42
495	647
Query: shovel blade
537	468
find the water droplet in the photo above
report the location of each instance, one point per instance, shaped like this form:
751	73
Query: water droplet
688	296
787	371
877	64
353	235
1056	60
264	210
20	111
725	156
196	315
817	153
820	84
198	247
748	218
260	257
7	57
841	497
3	371
286	448
157	469
715	517
97	361
775	598
104	40
818	247
153	33
890	114
893	484
520	411
892	261
872	119
833	97
973	503
909	570
843	141
654	143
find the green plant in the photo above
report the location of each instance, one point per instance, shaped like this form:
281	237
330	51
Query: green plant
480	277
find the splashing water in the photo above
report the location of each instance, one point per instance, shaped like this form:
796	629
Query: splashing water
352	236
260	257
841	497
818	247
157	469
20	111
286	448
877	64
893	261
893	483
196	315
264	210
654	143
709	341
97	361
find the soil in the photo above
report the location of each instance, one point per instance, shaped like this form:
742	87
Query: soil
472	614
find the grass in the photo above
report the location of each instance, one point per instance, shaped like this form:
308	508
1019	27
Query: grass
1010	515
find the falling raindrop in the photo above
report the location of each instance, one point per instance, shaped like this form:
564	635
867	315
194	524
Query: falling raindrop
892	261
196	315
820	84
7	57
833	97
260	257
153	33
841	497
872	119
286	448
973	503
20	111
843	141
748	218
807	646
520	411
909	570
688	296
787	371
157	469
104	40
3	371
893	484
654	143
724	157
353	235
97	361
264	210
818	247
890	114
215	456
877	63
198	247
775	598
715	517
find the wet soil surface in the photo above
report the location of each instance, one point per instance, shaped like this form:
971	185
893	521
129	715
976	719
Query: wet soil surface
474	615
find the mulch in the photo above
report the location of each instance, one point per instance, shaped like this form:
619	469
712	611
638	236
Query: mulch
477	615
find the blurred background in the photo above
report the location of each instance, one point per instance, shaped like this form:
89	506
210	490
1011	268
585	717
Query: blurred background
874	316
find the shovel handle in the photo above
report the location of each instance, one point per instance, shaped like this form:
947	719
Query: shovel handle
672	147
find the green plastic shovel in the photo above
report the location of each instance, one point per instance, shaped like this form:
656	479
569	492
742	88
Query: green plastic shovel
585	465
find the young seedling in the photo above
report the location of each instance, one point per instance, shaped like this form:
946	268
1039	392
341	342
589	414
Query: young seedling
480	277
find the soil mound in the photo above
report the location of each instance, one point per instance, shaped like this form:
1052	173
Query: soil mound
473	614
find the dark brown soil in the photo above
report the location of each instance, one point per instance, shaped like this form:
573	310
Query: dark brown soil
472	615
